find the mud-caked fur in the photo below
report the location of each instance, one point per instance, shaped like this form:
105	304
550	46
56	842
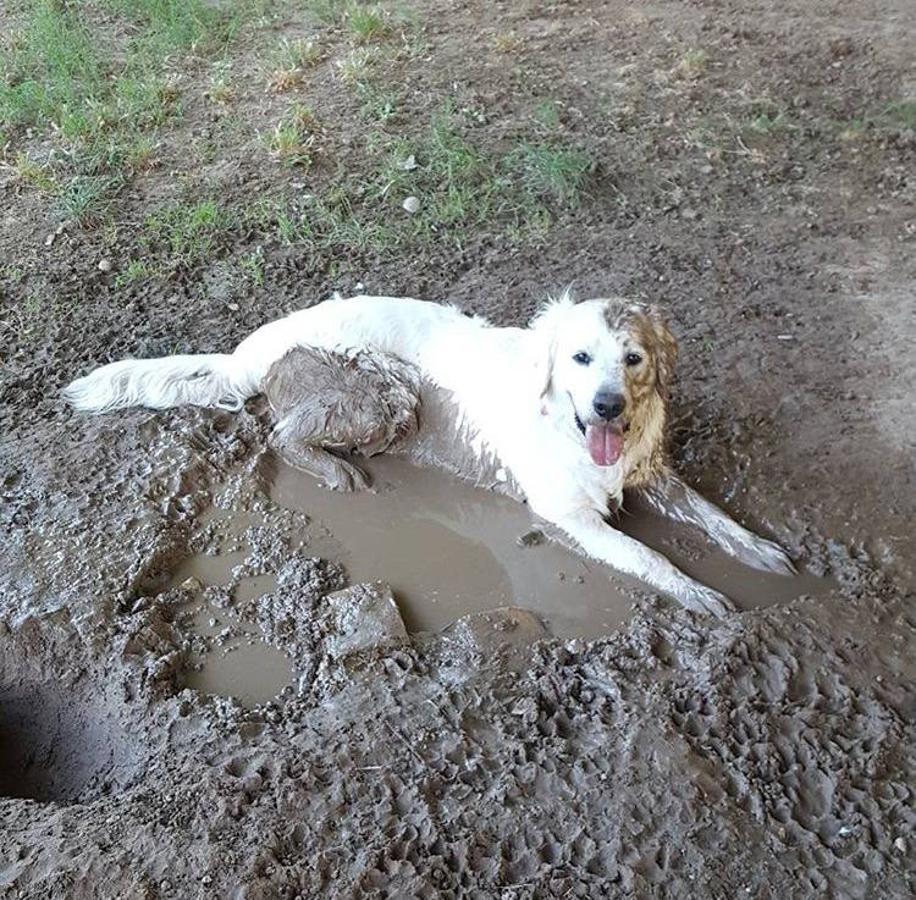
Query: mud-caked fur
331	405
527	397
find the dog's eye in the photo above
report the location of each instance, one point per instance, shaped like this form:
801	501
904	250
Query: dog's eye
632	359
582	358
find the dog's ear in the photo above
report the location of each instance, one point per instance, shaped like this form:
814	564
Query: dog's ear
664	348
545	326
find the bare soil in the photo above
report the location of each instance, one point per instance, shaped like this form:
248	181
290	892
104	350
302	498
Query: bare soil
763	192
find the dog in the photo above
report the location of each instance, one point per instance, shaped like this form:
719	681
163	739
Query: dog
573	408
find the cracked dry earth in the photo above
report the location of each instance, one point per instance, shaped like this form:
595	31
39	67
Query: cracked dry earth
768	755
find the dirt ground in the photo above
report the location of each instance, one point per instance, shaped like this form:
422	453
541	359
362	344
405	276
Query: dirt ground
747	166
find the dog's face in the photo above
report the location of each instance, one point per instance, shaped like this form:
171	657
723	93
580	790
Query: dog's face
609	363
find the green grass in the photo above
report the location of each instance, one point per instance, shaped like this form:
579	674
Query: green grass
187	233
901	114
693	64
293	138
137	270
367	23
101	90
85	198
553	173
462	189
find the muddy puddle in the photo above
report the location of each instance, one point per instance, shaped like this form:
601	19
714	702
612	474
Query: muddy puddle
229	657
447	549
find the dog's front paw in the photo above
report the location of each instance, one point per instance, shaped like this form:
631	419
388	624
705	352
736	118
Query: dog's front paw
767	556
702	599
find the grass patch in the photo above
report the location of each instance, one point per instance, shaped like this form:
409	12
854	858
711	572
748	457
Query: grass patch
547	115
462	189
693	64
553	173
101	90
293	140
137	270
766	119
900	114
290	63
187	232
85	199
368	23
358	65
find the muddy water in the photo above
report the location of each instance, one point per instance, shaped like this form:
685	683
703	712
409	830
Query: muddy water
448	549
237	662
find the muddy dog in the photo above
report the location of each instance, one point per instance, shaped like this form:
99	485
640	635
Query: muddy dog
573	408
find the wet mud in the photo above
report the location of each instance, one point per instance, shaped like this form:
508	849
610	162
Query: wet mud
207	686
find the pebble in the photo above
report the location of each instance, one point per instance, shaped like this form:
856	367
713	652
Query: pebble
105	265
409	164
900	844
412	205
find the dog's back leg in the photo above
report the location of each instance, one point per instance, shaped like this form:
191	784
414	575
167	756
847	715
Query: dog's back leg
334	472
673	498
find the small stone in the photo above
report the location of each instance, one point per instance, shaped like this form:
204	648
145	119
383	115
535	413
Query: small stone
411	205
409	164
191	584
900	844
105	265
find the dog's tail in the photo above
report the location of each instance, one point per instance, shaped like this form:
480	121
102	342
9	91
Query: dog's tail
216	379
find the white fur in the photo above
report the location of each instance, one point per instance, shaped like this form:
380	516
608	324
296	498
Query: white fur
504	381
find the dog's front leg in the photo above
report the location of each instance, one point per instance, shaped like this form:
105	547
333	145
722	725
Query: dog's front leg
604	543
673	498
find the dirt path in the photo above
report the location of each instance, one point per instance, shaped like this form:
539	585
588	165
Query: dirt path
749	167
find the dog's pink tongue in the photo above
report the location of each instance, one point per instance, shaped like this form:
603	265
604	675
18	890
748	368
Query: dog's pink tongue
605	444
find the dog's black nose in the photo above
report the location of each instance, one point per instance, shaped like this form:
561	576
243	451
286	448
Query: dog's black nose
609	406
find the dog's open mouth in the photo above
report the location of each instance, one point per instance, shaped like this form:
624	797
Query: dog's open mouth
604	441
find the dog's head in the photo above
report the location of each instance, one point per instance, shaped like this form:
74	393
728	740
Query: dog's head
606	366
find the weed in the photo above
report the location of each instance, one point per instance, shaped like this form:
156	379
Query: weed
253	266
301	53
507	42
293	139
377	104
357	65
547	114
901	113
188	232
767	119
693	64
35	174
221	90
553	173
84	199
367	23
292	60
137	270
